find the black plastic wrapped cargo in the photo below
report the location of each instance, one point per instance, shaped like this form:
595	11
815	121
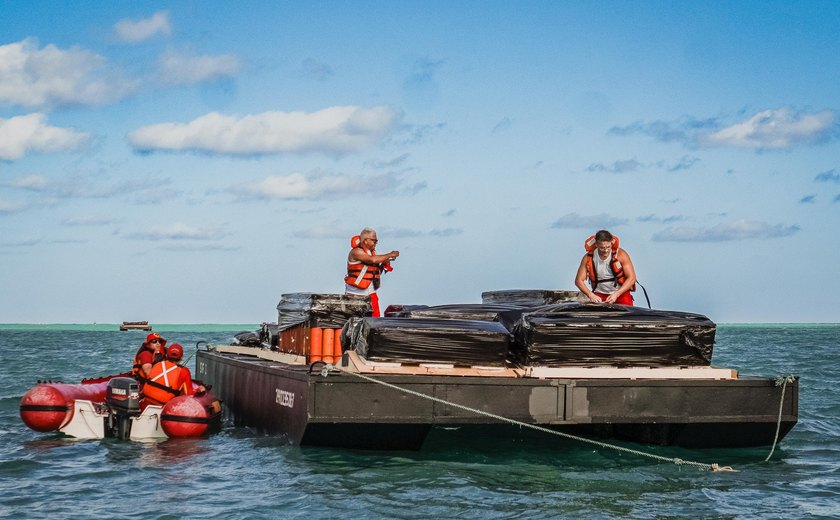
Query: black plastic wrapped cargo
505	313
330	311
530	297
426	340
612	335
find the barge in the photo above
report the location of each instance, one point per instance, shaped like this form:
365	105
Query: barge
135	325
643	376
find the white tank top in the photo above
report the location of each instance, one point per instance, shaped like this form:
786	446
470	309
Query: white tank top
603	272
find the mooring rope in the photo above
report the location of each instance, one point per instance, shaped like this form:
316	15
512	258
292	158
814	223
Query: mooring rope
674	460
780	381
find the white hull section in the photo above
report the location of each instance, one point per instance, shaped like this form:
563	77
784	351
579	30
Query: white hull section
88	422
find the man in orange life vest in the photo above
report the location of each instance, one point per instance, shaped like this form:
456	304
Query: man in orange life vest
364	268
150	352
608	269
168	379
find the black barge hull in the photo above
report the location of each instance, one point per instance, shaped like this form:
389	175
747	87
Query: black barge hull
342	410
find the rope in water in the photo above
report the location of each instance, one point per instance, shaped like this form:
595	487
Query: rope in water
674	460
781	381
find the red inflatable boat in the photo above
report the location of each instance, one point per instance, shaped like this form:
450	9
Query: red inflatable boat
112	407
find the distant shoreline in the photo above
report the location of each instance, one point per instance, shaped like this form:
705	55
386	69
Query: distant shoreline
106	327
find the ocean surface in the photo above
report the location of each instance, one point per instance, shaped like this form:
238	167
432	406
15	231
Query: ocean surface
240	474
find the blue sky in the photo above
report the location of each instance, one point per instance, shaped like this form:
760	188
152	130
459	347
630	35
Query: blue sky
189	162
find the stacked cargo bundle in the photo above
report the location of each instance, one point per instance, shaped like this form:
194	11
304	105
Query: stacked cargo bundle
531	297
428	340
465	311
310	324
505	313
573	334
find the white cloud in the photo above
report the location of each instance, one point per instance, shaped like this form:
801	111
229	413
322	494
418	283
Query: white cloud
182	69
10	207
133	31
737	230
338	231
31	133
32	182
665	220
333	130
392	232
576	221
781	128
88	220
776	129
331	231
76	186
319	185
620	166
446	232
33	77
685	163
178	231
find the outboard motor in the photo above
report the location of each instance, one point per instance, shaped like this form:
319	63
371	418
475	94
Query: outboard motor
122	398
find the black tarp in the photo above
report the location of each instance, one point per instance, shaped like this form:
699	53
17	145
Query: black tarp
330	311
426	340
601	334
247	339
505	313
530	297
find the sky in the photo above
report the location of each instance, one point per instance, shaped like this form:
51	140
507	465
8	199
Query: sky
190	162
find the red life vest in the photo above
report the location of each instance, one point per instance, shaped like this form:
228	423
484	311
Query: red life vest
137	366
615	265
166	380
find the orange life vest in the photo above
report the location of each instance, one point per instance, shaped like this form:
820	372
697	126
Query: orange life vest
166	380
361	275
615	264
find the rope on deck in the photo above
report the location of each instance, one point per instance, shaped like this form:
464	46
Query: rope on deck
674	460
780	381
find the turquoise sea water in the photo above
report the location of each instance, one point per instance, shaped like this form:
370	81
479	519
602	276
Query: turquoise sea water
240	474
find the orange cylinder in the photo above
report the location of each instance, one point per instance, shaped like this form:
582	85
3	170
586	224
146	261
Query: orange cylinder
337	347
329	341
315	344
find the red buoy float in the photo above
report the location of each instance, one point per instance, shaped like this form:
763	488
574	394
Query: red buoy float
47	407
191	415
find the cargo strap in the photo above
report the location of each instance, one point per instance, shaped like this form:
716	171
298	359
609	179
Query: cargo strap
674	460
781	381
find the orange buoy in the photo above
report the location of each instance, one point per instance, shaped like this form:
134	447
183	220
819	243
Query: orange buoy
329	341
315	344
337	347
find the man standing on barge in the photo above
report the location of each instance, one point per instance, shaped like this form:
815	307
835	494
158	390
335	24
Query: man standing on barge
364	268
609	270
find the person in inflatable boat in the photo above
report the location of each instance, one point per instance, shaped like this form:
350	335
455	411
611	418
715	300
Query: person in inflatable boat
365	267
168	379
608	269
150	352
